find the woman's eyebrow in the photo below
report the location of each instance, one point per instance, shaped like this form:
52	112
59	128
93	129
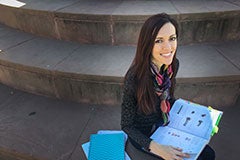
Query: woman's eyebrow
173	35
159	38
169	36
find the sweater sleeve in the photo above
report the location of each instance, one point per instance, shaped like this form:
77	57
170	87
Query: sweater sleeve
129	109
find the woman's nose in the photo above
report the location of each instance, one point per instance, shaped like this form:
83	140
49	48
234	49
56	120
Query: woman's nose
166	46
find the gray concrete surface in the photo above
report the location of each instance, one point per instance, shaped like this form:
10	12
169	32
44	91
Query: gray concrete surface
94	73
39	128
119	22
184	6
231	52
205	60
199	60
10	38
36	126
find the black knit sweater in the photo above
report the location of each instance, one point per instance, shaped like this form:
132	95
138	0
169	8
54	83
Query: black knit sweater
138	126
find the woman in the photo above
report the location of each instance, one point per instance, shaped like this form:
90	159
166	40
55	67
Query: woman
149	88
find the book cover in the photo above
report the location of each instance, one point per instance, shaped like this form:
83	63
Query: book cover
86	145
191	127
106	147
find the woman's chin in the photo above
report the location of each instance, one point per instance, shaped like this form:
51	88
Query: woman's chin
168	62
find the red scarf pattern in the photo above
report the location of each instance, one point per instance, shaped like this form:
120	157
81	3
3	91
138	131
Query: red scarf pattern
162	84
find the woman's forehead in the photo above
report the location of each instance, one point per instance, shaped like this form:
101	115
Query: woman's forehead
167	30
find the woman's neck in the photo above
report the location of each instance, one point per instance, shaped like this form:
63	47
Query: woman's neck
157	63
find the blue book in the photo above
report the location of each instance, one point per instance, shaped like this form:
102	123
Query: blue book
106	147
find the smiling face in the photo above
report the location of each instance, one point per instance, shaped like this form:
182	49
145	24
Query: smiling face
165	45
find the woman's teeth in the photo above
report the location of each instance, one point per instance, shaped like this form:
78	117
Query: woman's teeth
166	55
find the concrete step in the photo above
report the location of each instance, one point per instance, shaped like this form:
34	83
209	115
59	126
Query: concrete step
118	22
208	74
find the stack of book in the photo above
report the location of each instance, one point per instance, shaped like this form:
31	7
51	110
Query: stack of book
106	145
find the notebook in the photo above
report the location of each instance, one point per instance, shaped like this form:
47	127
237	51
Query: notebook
106	147
86	145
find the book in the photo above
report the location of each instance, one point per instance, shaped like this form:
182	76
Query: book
85	146
106	147
190	128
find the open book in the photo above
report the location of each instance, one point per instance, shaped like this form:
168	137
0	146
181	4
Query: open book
190	128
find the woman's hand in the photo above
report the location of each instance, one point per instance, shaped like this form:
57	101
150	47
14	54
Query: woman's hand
167	152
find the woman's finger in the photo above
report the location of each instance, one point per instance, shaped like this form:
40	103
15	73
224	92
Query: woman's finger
181	154
177	158
177	148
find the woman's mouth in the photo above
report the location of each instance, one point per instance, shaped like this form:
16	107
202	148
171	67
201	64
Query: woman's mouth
166	55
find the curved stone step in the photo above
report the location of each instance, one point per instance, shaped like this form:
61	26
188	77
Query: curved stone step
209	73
118	22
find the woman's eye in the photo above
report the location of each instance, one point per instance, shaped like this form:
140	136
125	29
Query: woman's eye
159	41
173	38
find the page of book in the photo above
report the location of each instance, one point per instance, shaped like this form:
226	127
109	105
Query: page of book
216	115
191	127
190	144
191	118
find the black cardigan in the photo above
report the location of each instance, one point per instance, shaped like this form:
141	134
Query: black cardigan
138	126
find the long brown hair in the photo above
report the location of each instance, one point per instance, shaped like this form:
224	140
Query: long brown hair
146	98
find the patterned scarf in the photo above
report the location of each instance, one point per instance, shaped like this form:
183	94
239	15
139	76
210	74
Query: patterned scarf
162	84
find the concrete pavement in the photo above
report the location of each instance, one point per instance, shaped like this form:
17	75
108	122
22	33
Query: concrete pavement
38	128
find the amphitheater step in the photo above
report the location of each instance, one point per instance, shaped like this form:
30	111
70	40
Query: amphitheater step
119	22
209	73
